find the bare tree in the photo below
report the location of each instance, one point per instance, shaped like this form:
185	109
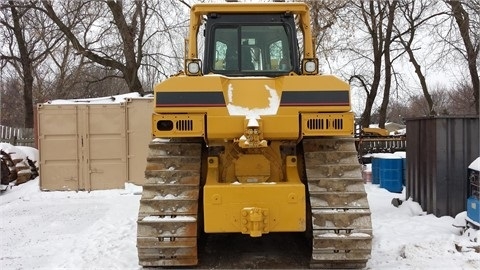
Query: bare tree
418	105
398	111
364	55
391	9
415	15
68	68
11	107
324	14
447	101
25	46
471	42
24	58
130	25
372	16
165	44
461	102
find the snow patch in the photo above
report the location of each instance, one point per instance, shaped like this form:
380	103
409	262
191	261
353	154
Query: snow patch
169	219
254	113
411	208
475	165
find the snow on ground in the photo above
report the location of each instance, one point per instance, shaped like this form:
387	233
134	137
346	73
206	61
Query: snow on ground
408	238
75	230
97	230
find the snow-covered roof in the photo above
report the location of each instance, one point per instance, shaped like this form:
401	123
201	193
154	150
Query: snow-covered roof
100	100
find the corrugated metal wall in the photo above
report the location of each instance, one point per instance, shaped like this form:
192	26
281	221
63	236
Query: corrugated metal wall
438	154
93	146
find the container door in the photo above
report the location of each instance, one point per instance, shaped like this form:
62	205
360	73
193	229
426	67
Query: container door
58	147
104	147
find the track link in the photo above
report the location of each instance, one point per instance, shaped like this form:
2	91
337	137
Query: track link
168	215
341	219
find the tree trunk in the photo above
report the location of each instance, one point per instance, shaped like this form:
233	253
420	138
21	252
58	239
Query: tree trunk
388	64
26	66
376	34
127	33
422	80
463	22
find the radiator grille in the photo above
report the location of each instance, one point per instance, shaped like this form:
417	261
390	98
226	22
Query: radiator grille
325	124
184	125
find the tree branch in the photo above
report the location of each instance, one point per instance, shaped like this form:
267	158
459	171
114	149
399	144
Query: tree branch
76	44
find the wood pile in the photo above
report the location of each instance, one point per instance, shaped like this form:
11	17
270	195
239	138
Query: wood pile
16	170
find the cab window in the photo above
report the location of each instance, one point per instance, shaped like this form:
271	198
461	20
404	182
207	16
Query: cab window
251	49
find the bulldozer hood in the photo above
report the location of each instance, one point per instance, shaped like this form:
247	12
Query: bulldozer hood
253	96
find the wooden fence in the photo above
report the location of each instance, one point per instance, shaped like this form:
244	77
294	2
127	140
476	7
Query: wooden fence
17	136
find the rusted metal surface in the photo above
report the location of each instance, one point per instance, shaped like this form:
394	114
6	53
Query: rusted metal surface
439	151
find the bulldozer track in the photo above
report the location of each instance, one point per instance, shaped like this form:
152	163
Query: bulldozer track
167	225
341	219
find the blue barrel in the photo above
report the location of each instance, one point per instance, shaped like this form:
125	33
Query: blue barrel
391	173
375	170
403	155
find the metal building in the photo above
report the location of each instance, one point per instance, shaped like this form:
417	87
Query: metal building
438	154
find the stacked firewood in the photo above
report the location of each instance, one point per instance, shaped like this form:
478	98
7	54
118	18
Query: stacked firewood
16	169
9	171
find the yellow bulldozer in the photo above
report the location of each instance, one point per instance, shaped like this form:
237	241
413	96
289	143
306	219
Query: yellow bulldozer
250	139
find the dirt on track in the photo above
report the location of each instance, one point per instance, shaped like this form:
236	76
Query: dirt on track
237	251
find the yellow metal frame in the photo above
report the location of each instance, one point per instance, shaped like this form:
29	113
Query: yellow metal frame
254	208
375	131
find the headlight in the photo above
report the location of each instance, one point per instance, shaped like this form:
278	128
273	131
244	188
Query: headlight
193	67
310	66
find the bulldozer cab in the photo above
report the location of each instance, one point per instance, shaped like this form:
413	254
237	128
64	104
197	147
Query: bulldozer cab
251	39
258	45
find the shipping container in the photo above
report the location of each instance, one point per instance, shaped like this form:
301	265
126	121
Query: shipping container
93	146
